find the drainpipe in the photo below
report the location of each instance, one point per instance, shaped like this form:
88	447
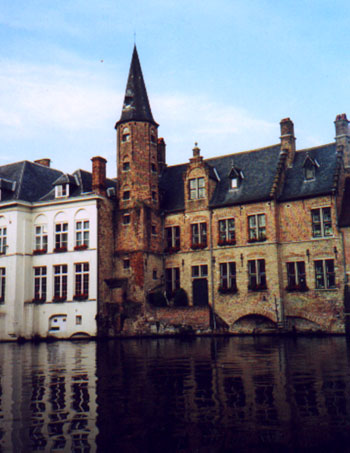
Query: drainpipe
212	269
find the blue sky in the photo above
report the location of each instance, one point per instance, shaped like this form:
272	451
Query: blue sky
219	72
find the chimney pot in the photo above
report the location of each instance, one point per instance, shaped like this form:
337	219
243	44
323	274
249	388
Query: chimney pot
341	125
287	127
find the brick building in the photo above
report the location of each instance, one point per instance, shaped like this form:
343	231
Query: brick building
258	240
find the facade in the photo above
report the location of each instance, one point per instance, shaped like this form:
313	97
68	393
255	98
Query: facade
48	246
258	240
250	242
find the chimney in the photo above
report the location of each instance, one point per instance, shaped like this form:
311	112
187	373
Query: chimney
342	137
161	153
99	175
196	154
288	139
45	162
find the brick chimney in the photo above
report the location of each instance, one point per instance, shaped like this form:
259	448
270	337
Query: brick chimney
45	162
161	154
99	175
288	139
342	137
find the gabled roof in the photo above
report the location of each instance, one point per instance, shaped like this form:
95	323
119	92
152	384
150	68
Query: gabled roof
259	168
136	105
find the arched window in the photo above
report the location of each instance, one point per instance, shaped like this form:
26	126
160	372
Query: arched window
126	135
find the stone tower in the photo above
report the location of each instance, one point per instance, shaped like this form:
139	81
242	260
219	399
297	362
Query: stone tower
139	238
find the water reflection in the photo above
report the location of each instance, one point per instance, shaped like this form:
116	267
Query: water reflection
200	395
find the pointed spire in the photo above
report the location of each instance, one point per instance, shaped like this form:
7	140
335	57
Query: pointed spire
136	105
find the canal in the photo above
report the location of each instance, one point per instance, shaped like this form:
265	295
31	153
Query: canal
241	394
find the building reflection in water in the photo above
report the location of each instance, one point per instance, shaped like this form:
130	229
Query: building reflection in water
204	394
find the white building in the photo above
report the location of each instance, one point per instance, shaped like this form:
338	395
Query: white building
48	252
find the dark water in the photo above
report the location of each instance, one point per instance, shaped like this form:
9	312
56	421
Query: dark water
239	394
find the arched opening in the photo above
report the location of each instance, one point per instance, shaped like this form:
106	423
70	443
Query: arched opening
253	323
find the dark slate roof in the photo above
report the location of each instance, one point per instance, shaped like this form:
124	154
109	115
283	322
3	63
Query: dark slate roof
344	219
259	169
295	185
136	105
35	182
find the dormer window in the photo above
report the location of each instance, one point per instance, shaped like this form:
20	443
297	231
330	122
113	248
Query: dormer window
126	135
62	190
197	188
310	165
235	176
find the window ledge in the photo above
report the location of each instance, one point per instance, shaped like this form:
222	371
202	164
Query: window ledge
39	251
59	299
39	301
226	243
296	289
227	290
60	249
172	250
252	241
198	246
80	297
81	247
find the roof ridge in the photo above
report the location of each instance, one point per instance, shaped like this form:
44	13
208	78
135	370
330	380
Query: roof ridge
243	152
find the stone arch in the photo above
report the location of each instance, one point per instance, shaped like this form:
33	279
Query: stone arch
40	219
81	214
61	216
253	323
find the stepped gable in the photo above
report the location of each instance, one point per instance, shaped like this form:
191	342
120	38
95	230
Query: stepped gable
296	187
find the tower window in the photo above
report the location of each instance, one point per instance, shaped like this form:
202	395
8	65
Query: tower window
126	263
126	135
153	168
126	166
154	196
126	195
153	139
126	219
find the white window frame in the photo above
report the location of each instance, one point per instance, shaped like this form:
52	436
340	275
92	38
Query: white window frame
40	283
322	222
60	274
82	280
61	235
40	237
197	188
3	240
82	233
62	190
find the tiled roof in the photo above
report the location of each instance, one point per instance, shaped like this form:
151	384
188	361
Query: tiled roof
259	168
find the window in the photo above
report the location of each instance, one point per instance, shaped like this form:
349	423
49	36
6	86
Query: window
256	275
61	237
62	190
81	281
324	274
40	239
197	188
126	135
154	230
126	263
172	235
82	234
78	320
172	281
227	232
296	276
154	196
126	219
126	195
199	235
321	222
228	278
40	283
153	139
154	274
2	284
60	282
126	166
309	172
234	183
153	168
3	240
256	228
200	271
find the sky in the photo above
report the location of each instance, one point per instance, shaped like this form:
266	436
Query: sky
222	73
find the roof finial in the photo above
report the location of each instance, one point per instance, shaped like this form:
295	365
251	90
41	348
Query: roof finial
196	150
